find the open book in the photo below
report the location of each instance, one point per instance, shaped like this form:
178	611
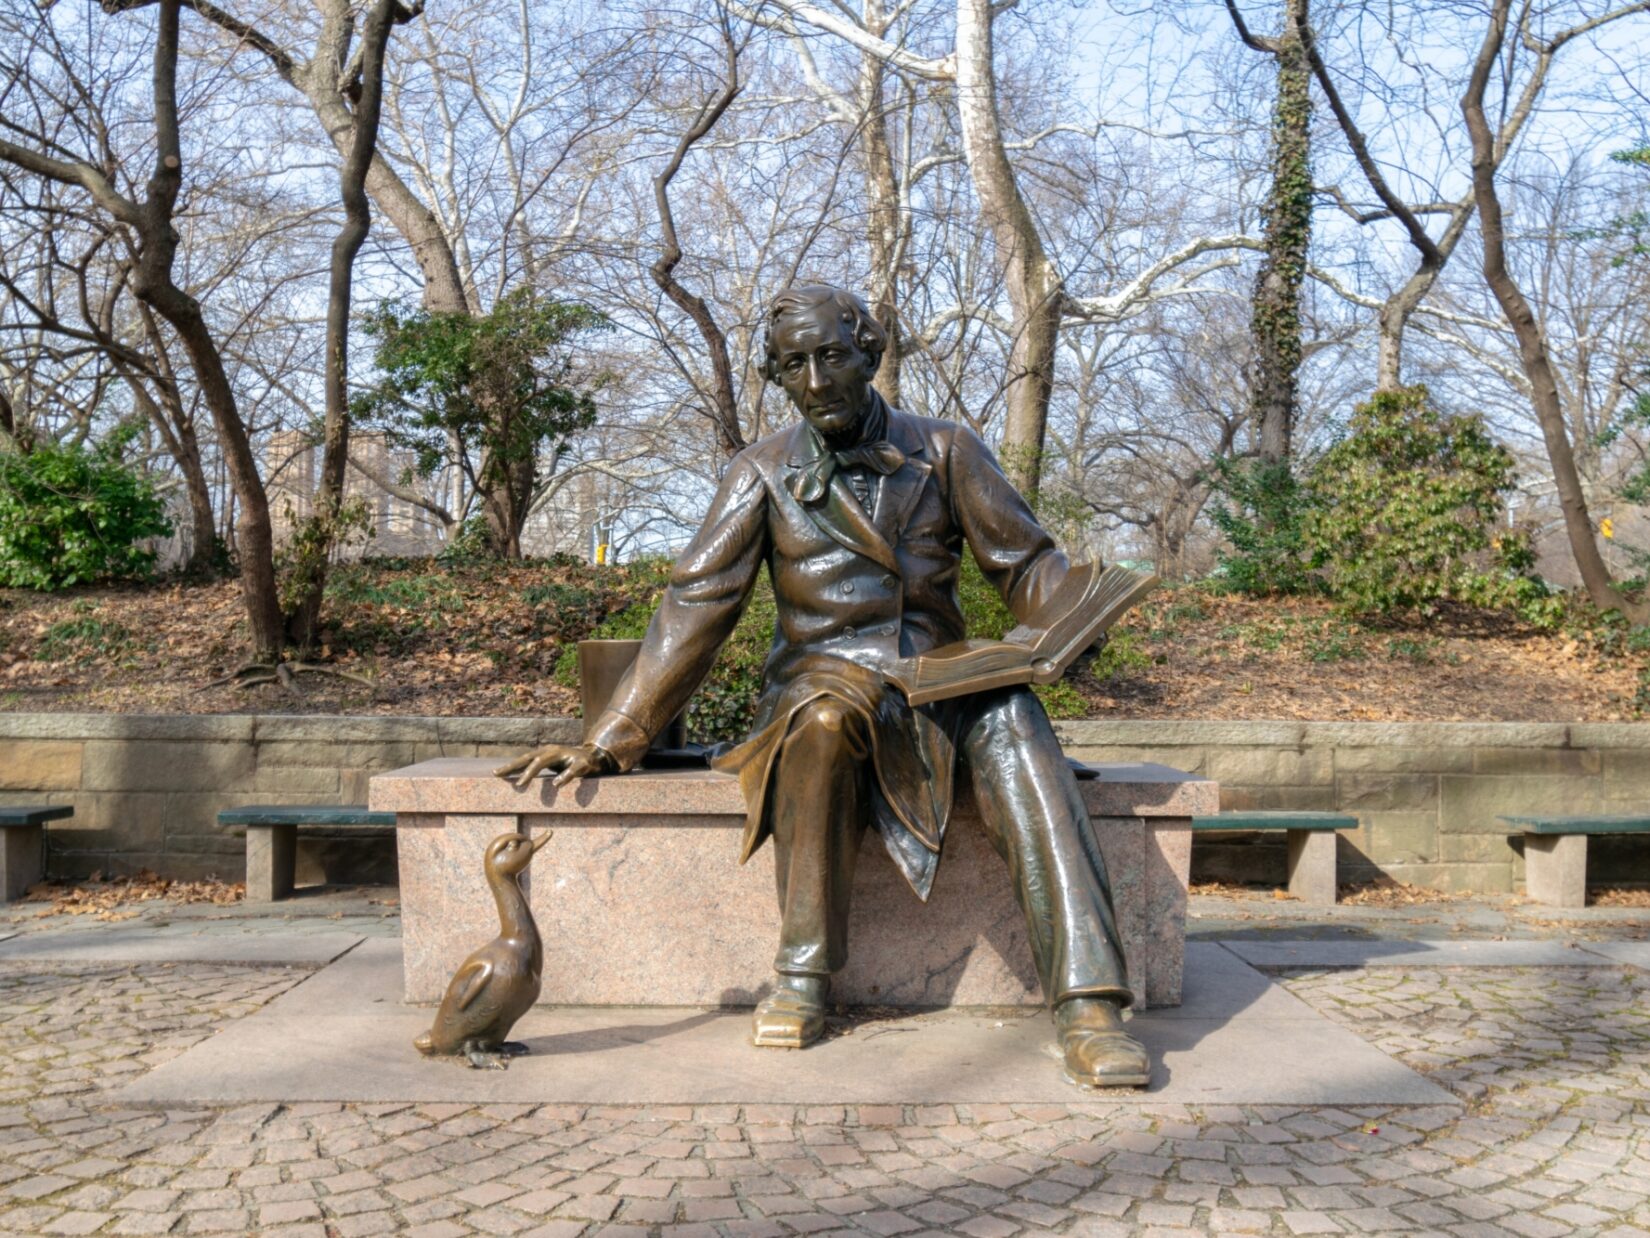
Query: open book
1089	601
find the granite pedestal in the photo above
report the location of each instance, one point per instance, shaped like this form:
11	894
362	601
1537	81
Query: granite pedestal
640	898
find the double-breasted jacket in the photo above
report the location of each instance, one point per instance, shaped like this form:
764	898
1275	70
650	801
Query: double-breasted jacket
854	589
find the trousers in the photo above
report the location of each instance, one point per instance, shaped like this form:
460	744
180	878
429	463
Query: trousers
1028	803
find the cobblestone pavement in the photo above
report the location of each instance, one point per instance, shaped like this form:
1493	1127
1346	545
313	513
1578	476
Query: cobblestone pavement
1553	1067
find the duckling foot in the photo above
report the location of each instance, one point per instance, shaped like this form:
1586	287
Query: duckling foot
512	1048
480	1059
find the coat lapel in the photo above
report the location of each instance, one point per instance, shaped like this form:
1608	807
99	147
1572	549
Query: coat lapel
838	514
898	494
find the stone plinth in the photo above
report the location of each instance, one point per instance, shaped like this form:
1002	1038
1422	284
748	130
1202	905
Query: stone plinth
641	900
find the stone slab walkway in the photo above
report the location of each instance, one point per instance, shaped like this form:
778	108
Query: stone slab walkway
122	943
1280	954
344	1035
1547	1130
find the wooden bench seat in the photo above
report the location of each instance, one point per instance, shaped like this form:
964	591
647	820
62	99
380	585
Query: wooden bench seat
1555	852
23	845
1310	837
272	839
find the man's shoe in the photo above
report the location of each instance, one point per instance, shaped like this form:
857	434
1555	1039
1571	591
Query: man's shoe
792	1016
1097	1051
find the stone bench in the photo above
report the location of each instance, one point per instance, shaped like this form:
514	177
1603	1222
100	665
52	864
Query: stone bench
1555	853
1310	837
272	839
23	846
641	900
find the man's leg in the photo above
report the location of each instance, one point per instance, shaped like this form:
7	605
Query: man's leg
818	822
1034	815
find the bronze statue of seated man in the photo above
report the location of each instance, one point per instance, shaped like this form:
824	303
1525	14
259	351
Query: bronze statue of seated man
861	513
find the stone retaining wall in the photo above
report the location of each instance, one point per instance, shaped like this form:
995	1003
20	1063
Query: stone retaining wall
147	788
1426	794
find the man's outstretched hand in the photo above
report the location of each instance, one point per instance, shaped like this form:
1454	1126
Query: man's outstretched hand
567	761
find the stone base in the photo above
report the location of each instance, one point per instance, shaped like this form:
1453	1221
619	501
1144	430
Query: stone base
271	861
1555	869
640	899
1312	866
22	859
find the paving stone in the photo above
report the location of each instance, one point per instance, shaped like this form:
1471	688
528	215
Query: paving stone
1557	1136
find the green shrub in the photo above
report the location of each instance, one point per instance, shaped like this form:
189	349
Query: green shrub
70	515
1401	512
1260	508
468	545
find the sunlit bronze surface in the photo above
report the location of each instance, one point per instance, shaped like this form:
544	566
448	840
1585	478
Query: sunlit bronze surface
861	513
602	666
499	983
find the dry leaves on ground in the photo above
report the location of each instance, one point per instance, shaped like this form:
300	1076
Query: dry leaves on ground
1385	892
1619	897
112	899
483	640
1229	889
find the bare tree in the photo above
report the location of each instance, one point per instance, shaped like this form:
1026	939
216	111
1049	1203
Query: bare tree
1532	346
1534	57
1038	293
365	81
150	222
724	411
1275	321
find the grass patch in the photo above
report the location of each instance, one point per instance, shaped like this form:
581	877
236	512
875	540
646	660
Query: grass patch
83	638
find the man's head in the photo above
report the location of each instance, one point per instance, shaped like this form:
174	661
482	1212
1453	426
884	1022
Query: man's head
823	347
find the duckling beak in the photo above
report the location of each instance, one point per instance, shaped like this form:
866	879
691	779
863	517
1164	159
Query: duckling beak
540	841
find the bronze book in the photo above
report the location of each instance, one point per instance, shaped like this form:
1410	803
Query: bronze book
1089	601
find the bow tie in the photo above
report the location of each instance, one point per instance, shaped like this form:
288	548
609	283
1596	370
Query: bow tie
809	484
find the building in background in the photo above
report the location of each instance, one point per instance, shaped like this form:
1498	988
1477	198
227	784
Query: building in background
399	527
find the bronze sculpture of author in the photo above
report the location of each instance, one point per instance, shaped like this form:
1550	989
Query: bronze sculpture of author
861	513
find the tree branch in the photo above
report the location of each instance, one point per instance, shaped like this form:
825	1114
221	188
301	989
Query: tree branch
77	173
934	69
1139	289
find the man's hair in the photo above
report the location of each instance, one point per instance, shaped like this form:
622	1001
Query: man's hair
868	332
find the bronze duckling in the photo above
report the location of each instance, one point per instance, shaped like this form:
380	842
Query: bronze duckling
499	982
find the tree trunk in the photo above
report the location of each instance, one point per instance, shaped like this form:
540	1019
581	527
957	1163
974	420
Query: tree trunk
8	426
882	184
724	410
1532	343
506	501
1276	323
316	543
172	422
202	519
152	284
1035	291
432	249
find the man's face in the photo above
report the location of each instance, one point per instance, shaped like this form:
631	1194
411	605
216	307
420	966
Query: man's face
826	374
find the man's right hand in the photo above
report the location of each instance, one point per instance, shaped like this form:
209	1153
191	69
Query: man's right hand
567	761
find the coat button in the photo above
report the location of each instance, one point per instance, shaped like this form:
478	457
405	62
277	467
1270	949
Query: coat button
848	587
849	633
888	630
889	582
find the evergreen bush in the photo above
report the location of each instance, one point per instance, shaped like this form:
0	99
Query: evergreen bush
1401	512
70	515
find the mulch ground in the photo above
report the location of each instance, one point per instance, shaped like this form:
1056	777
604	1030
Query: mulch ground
435	639
1209	655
